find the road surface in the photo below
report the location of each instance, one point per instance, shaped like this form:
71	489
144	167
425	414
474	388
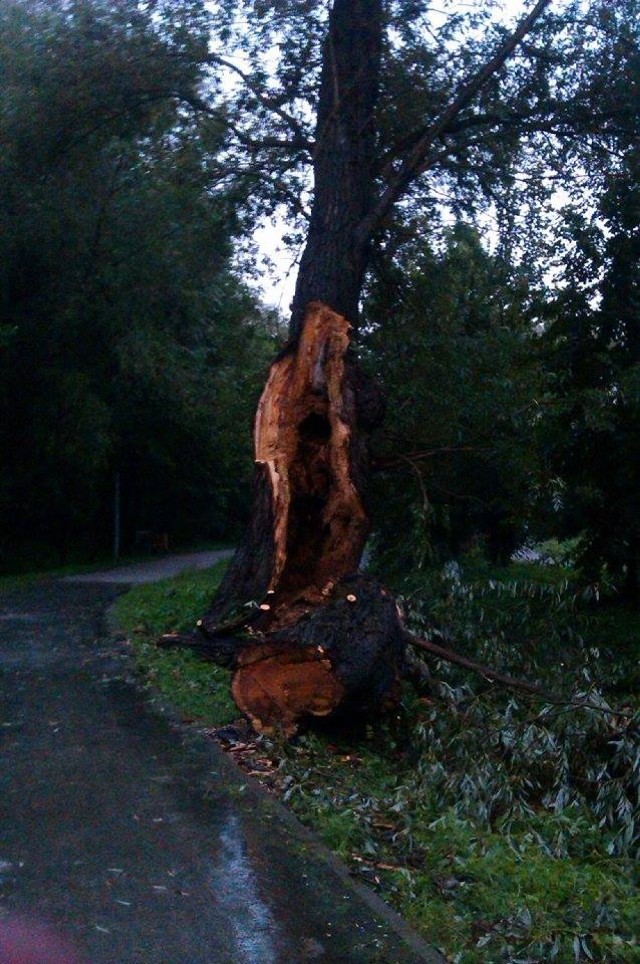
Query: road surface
135	838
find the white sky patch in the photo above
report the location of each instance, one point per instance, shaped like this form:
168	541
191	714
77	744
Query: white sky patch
279	263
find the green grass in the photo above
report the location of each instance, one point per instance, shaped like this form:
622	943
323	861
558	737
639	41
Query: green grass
200	691
448	809
521	891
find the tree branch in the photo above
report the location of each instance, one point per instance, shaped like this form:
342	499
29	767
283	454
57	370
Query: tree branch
198	104
268	102
417	159
394	461
510	682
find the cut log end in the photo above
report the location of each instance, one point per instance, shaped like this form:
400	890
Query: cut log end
342	657
277	689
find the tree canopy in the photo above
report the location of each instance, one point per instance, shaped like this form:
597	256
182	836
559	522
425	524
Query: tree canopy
413	119
492	201
128	341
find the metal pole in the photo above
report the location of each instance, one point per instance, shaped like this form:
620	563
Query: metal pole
116	518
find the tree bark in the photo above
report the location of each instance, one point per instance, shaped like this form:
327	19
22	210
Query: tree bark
305	634
335	255
331	273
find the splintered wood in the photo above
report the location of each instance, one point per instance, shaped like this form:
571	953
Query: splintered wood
303	433
320	639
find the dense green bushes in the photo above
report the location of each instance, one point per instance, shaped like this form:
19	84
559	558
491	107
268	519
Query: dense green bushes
129	349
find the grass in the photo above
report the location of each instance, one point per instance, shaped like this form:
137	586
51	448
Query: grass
199	690
477	893
473	812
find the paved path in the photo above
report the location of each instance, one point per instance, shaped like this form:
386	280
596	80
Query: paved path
137	839
154	569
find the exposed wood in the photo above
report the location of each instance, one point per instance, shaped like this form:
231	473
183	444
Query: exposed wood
309	523
278	685
303	436
345	655
305	635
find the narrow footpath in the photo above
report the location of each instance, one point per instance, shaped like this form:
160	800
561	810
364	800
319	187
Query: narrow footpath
135	838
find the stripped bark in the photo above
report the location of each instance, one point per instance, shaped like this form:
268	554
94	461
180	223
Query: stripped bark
305	635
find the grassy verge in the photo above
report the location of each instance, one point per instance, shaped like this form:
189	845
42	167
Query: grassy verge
199	690
502	828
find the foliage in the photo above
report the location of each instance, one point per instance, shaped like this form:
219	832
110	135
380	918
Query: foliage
127	342
590	434
451	341
200	691
127	171
556	116
504	826
526	889
531	127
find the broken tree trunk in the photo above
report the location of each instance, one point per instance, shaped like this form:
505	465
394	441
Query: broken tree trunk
343	655
304	634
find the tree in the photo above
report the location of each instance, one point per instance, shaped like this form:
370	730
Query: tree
309	522
589	424
590	436
455	348
125	325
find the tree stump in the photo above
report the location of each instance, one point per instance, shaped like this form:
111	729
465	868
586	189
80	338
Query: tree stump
340	657
305	634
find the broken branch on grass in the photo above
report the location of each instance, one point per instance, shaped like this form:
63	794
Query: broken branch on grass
510	682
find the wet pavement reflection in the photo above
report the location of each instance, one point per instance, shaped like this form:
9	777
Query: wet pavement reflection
134	839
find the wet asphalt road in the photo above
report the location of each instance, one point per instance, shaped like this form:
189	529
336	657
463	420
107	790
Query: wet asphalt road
137	839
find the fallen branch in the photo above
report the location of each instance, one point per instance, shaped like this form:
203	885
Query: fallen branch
510	682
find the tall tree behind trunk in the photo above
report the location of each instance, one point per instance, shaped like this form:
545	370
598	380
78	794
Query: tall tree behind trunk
334	258
331	272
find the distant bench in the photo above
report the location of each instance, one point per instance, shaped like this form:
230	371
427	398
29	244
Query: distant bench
152	541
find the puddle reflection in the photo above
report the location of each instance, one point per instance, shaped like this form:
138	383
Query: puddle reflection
235	889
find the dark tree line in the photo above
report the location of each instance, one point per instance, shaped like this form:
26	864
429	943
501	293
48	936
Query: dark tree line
129	348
